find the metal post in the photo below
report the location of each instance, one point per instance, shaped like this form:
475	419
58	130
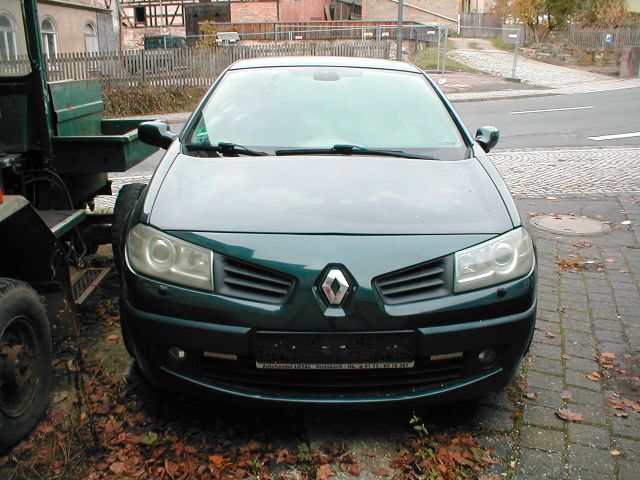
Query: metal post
444	56
515	57
399	32
439	35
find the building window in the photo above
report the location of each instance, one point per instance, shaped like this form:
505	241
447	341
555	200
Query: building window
140	14
8	47
90	38
49	37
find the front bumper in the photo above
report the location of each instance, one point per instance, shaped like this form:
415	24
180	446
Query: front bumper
506	326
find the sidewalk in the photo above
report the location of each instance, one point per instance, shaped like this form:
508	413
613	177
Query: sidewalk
551	79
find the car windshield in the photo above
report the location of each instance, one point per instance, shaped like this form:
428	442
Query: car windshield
319	107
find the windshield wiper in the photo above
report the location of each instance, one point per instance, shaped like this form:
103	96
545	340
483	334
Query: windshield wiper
352	150
226	149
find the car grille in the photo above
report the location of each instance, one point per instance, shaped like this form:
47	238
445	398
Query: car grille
332	383
250	282
420	282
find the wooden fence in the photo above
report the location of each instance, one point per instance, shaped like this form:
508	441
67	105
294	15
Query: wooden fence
184	67
591	38
327	30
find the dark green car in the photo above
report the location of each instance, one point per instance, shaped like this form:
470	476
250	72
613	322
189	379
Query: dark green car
325	230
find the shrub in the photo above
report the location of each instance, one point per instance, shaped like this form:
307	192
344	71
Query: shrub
147	99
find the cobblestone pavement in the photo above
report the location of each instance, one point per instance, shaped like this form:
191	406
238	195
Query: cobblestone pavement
500	62
583	313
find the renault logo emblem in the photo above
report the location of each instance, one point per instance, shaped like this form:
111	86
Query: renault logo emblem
335	286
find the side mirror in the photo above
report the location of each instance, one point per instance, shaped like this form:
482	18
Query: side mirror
156	134
487	137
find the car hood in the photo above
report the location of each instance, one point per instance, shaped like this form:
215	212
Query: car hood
356	195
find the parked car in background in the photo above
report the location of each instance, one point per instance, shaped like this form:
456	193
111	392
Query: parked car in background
161	54
155	42
325	230
227	38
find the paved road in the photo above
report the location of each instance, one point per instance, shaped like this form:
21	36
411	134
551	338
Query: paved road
522	125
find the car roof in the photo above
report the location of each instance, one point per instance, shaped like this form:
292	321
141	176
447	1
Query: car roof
324	62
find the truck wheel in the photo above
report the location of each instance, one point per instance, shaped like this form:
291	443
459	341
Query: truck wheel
127	198
25	361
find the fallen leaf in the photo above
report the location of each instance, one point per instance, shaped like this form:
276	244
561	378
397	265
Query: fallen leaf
566	396
379	472
354	470
621	414
515	415
626	222
531	396
217	460
113	338
117	468
594	376
324	472
565	356
569	416
149	438
616	453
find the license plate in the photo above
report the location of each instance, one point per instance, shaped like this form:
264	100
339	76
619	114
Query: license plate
332	366
322	351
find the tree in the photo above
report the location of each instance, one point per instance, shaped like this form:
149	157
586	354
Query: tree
544	15
502	9
533	13
610	13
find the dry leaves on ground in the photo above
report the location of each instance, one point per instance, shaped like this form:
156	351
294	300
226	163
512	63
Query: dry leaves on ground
570	264
594	376
568	415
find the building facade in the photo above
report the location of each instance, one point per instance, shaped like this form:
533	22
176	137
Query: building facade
440	12
65	26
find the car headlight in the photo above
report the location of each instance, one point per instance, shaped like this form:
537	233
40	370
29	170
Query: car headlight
158	255
501	259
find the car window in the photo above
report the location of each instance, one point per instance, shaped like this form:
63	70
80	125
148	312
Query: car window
318	107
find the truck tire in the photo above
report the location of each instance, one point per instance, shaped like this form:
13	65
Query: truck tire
25	361
126	200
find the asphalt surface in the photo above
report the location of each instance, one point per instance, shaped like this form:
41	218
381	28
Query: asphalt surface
522	125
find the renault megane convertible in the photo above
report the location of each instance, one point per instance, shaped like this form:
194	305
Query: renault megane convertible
325	230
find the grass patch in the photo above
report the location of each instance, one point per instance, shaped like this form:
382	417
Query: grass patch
474	46
427	59
500	44
146	99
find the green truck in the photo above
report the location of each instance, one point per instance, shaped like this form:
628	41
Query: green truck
55	152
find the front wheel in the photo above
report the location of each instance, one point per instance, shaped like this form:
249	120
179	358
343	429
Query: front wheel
125	202
25	361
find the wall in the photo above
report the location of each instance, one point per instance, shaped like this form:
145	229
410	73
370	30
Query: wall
69	21
12	7
388	10
292	10
254	12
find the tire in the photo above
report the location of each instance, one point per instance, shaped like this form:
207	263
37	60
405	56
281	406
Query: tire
125	202
25	339
127	336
